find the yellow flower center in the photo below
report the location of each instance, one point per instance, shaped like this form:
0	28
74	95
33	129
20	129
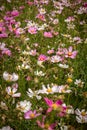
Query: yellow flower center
69	80
54	106
11	93
32	115
69	53
49	90
83	113
46	126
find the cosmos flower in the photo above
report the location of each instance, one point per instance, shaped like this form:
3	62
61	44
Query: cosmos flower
48	34
70	53
32	94
23	106
32	30
58	105
81	116
31	114
10	77
11	91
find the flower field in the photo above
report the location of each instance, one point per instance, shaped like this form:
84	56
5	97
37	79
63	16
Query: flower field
43	65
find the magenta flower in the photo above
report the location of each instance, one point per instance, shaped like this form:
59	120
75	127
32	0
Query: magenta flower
58	105
48	34
42	58
70	53
31	114
32	30
46	125
15	13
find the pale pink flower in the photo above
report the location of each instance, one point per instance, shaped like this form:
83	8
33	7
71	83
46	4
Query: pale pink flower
32	30
33	52
15	13
70	53
48	34
31	114
41	17
50	51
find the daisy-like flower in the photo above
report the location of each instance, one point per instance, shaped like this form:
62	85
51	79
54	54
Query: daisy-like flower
19	31
32	30
23	106
42	57
58	105
33	52
55	59
63	89
81	116
48	89
31	114
6	128
32	94
42	11
41	17
12	90
70	53
79	83
10	77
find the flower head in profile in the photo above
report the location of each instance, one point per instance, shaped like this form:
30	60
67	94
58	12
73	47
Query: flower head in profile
31	114
11	91
48	34
10	77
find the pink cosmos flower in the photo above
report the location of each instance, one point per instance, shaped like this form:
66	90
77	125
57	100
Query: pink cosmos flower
41	17
50	51
32	30
48	34
58	105
30	3
70	53
6	52
42	58
46	126
15	13
31	114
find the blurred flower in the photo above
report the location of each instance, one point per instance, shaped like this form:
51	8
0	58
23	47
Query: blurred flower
79	83
56	59
58	105
70	53
46	126
39	73
10	77
63	66
6	128
81	116
41	17
23	106
32	30
48	89
42	58
31	114
12	90
3	106
48	34
32	94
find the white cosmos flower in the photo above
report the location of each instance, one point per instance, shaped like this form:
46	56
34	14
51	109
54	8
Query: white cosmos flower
32	94
63	89
48	89
12	90
24	106
81	116
10	77
64	66
56	59
79	83
6	128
